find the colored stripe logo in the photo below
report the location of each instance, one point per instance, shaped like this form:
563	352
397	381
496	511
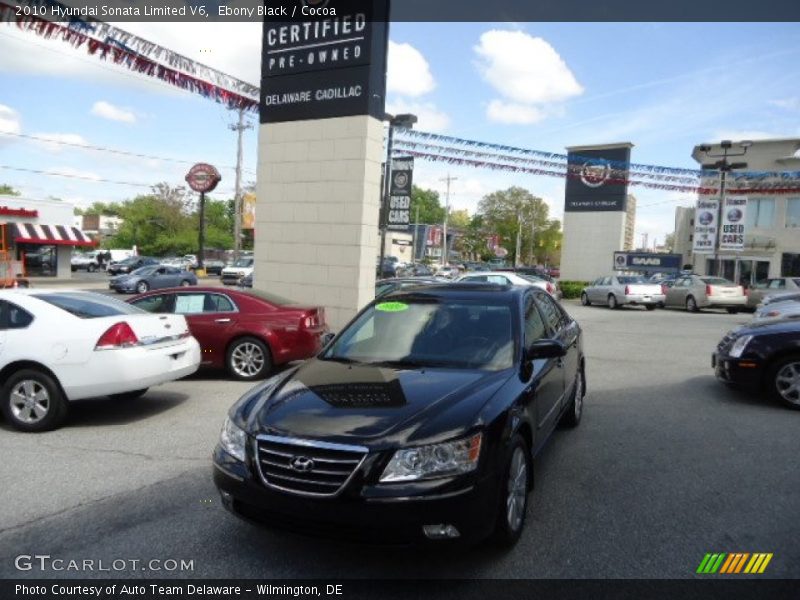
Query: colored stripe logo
734	563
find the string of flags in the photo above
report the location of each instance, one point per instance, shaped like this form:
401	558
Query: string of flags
142	56
534	162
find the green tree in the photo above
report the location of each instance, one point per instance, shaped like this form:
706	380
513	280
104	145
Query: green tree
512	212
458	219
7	190
427	202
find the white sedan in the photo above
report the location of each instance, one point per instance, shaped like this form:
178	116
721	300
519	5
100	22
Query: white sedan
508	278
57	346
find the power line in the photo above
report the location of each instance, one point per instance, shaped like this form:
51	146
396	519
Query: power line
73	176
47	140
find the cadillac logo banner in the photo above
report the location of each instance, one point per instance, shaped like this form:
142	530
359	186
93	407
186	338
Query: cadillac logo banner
597	179
705	226
326	63
399	209
734	210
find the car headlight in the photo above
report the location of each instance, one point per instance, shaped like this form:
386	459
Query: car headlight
437	460
232	439
739	345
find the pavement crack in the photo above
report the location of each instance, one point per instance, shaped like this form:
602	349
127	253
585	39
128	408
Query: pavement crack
125	453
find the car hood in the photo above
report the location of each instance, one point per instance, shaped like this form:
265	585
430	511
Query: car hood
367	404
769	326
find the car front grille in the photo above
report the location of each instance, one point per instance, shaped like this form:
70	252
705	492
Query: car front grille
306	467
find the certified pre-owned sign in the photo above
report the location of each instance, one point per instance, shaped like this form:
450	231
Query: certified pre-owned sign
329	63
399	209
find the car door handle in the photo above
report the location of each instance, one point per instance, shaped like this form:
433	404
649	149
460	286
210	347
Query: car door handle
222	320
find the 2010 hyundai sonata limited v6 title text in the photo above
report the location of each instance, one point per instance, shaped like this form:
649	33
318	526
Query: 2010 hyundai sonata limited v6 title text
420	420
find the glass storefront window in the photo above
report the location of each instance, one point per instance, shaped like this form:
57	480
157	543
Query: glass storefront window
793	212
790	265
40	260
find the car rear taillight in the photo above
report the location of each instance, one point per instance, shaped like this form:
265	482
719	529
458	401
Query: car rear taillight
663	290
709	290
312	320
627	290
117	336
550	288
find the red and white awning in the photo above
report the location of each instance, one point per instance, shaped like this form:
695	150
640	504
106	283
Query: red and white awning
50	234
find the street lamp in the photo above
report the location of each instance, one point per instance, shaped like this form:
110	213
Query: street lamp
724	167
404	121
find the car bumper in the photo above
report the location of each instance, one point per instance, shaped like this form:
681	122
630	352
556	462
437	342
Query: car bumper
723	302
230	278
644	299
357	516
745	372
123	288
127	369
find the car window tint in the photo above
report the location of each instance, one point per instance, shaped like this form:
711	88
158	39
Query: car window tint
86	305
190	304
534	325
217	303
13	317
777	284
499	279
477	279
155	304
552	315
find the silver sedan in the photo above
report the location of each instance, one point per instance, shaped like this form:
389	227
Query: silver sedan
770	287
617	290
694	292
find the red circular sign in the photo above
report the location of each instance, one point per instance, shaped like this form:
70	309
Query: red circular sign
203	177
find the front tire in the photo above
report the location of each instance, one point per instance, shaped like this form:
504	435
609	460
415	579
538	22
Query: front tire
186	283
691	305
572	416
612	302
513	502
91	268
585	299
32	401
248	358
142	287
783	381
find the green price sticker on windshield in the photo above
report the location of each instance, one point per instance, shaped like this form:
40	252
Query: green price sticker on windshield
391	306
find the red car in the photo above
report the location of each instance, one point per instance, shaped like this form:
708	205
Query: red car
245	332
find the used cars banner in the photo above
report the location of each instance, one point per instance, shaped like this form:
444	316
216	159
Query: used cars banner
705	226
734	211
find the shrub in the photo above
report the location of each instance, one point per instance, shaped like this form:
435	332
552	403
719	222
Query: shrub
572	289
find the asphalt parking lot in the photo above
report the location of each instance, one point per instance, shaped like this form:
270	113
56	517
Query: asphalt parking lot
667	465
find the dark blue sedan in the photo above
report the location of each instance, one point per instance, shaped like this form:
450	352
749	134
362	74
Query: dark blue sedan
152	277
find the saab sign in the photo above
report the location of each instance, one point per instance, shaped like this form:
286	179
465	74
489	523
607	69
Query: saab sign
647	262
331	62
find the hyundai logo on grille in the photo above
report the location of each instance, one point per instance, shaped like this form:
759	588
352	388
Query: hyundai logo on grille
302	464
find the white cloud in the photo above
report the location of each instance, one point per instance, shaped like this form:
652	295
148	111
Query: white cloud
106	110
500	111
787	103
527	72
59	142
9	123
408	73
429	117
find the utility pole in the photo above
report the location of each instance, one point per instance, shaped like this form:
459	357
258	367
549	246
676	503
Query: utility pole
445	256
414	238
239	128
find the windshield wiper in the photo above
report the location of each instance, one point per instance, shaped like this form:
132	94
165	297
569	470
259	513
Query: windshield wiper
343	359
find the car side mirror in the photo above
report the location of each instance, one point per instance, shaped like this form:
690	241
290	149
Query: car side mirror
326	339
545	349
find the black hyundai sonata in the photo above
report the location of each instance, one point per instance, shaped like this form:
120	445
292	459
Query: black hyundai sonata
420	420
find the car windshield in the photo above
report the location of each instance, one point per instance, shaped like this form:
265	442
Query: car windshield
716	281
419	331
243	262
627	279
87	305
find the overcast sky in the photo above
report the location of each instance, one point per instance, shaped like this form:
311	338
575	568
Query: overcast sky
545	86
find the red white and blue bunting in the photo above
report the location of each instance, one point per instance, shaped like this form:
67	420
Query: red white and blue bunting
137	54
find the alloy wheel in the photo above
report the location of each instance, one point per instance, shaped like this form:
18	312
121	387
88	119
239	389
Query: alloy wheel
517	489
30	401
247	359
787	382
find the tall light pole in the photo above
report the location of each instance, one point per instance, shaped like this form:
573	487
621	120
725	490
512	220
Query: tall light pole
724	167
445	256
405	121
239	128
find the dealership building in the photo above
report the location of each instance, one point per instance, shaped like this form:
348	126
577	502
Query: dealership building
771	245
40	234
